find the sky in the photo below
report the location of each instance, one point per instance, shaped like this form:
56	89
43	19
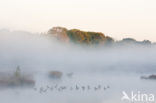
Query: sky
116	18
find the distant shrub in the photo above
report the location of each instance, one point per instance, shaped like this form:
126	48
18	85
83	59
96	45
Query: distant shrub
55	74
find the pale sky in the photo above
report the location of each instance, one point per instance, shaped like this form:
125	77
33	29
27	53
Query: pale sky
116	18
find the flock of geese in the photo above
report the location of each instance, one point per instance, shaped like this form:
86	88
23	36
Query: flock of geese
71	88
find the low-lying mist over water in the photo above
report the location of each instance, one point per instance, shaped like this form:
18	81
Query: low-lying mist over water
67	73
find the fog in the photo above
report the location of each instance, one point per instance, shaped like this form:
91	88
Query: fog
115	69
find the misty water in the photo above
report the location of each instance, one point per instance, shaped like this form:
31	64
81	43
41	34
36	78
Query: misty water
114	69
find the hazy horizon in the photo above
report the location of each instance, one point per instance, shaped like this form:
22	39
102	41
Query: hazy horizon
56	68
118	68
116	18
